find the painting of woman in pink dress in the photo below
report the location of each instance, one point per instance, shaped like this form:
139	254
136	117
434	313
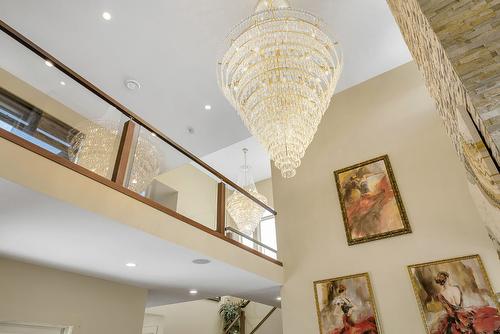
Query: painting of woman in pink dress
369	198
345	305
455	297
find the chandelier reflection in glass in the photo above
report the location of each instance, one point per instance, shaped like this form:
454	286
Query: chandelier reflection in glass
280	71
95	147
244	211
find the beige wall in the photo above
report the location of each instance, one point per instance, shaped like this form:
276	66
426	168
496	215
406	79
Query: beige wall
196	193
34	294
255	312
390	114
199	316
273	324
265	187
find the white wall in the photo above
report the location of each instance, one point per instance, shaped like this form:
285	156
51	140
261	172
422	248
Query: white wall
255	312
39	295
390	114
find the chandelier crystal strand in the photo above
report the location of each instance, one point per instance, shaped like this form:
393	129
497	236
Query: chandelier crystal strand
280	71
94	148
244	211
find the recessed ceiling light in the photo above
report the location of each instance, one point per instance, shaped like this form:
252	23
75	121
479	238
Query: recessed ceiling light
62	83
208	107
278	298
132	84
106	16
49	63
193	292
131	265
201	261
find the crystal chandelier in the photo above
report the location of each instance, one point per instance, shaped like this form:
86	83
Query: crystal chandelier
95	147
280	71
244	211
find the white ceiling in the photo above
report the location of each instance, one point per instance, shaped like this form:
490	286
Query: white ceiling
171	48
39	229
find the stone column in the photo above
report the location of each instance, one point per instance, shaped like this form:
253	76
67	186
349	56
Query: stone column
456	45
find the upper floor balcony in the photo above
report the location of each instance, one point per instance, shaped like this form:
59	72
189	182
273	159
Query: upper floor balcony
63	136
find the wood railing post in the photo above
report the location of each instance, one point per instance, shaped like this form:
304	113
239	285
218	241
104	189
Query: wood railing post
221	208
242	322
123	155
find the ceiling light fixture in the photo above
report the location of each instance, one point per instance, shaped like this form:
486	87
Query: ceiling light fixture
193	292
132	84
278	298
208	107
244	211
106	16
280	71
62	83
201	261
131	265
49	63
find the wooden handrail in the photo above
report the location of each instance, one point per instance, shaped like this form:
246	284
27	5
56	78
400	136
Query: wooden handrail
240	316
101	94
263	320
245	303
232	324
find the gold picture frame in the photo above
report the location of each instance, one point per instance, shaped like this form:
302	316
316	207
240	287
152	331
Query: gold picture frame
354	223
367	301
483	286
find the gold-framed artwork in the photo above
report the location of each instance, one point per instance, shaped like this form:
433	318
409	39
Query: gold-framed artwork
346	305
455	296
371	204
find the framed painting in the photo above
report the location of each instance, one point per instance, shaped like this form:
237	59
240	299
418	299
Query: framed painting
455	296
370	201
346	305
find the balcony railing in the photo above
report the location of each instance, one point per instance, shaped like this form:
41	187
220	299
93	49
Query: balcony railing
51	110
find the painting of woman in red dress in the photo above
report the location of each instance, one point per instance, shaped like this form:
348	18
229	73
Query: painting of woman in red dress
371	205
456	298
345	305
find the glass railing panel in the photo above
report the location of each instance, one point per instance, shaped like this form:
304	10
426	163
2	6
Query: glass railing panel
241	214
161	173
44	106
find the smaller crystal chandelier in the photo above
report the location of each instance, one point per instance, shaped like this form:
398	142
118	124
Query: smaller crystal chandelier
95	146
244	211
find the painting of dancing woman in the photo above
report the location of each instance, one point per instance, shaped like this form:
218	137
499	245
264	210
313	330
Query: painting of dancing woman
345	305
370	201
455	297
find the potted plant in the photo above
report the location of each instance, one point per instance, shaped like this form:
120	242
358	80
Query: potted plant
229	311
